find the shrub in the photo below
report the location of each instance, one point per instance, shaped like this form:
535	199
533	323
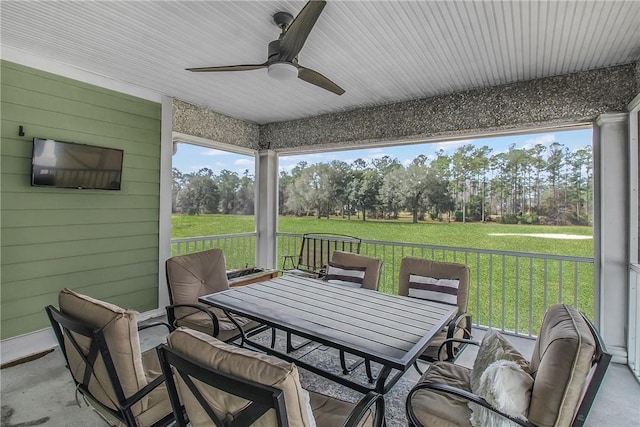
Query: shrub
509	219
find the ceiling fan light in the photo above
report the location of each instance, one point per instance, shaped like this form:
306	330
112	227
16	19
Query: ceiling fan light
282	70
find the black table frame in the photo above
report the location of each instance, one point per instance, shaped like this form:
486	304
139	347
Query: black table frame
234	301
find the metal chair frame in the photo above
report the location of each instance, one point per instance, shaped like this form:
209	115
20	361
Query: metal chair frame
601	360
63	326
313	258
262	397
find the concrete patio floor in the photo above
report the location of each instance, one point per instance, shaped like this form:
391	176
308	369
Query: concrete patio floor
41	392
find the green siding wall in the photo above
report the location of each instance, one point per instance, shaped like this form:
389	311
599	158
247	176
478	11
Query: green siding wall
102	243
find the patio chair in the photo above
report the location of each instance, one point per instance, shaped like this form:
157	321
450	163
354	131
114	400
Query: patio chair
194	275
555	388
316	251
442	282
101	347
225	385
366	270
358	271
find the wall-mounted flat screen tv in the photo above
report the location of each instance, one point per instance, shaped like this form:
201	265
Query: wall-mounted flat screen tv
71	165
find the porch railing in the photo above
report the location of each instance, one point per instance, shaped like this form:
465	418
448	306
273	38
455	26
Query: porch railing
239	249
509	291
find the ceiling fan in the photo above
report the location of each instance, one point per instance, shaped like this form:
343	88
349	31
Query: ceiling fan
282	60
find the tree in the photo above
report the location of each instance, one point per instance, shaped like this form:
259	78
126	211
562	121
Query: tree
367	190
245	195
437	196
555	162
200	195
228	184
415	185
179	181
391	191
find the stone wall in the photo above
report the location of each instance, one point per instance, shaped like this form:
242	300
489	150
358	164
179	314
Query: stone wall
551	101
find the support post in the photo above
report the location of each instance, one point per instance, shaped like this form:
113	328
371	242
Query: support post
266	208
611	227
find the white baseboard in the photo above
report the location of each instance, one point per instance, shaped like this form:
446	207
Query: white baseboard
158	312
22	346
619	354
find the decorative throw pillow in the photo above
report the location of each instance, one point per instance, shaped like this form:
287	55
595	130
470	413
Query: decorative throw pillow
506	387
438	290
494	347
345	275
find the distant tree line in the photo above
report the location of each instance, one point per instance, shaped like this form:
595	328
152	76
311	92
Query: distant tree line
544	184
204	192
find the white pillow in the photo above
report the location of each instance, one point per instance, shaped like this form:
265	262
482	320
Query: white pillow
306	401
494	347
430	288
507	387
345	275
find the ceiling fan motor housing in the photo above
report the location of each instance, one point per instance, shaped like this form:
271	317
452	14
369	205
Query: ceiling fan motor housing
274	51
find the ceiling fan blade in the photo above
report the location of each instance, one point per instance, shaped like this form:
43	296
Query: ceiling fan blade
299	30
247	67
318	79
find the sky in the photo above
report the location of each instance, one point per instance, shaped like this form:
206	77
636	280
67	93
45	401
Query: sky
191	158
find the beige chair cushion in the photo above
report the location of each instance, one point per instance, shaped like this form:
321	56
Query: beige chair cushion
330	412
436	270
560	364
135	369
439	410
434	345
243	363
193	275
201	322
121	333
373	266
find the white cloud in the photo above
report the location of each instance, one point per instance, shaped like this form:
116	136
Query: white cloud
540	139
243	162
214	152
451	145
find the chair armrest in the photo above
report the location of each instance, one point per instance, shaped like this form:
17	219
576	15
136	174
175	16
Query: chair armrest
449	341
363	406
447	389
453	326
153	324
172	317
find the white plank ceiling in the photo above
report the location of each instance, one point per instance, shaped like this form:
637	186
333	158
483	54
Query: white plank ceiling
378	51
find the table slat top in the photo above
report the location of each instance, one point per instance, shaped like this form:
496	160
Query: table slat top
390	328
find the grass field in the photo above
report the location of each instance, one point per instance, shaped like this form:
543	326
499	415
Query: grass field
505	291
469	235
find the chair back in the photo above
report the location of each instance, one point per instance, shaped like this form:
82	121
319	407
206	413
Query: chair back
317	249
373	267
102	349
194	275
568	364
436	270
222	384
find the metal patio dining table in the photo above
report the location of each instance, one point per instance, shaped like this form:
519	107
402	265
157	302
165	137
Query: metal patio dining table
390	330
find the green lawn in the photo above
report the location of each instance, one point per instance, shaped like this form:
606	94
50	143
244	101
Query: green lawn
505	291
469	235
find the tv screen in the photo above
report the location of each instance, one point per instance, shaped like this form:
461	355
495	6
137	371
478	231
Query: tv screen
71	165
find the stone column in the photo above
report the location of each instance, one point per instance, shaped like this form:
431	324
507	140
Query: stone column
266	208
611	229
